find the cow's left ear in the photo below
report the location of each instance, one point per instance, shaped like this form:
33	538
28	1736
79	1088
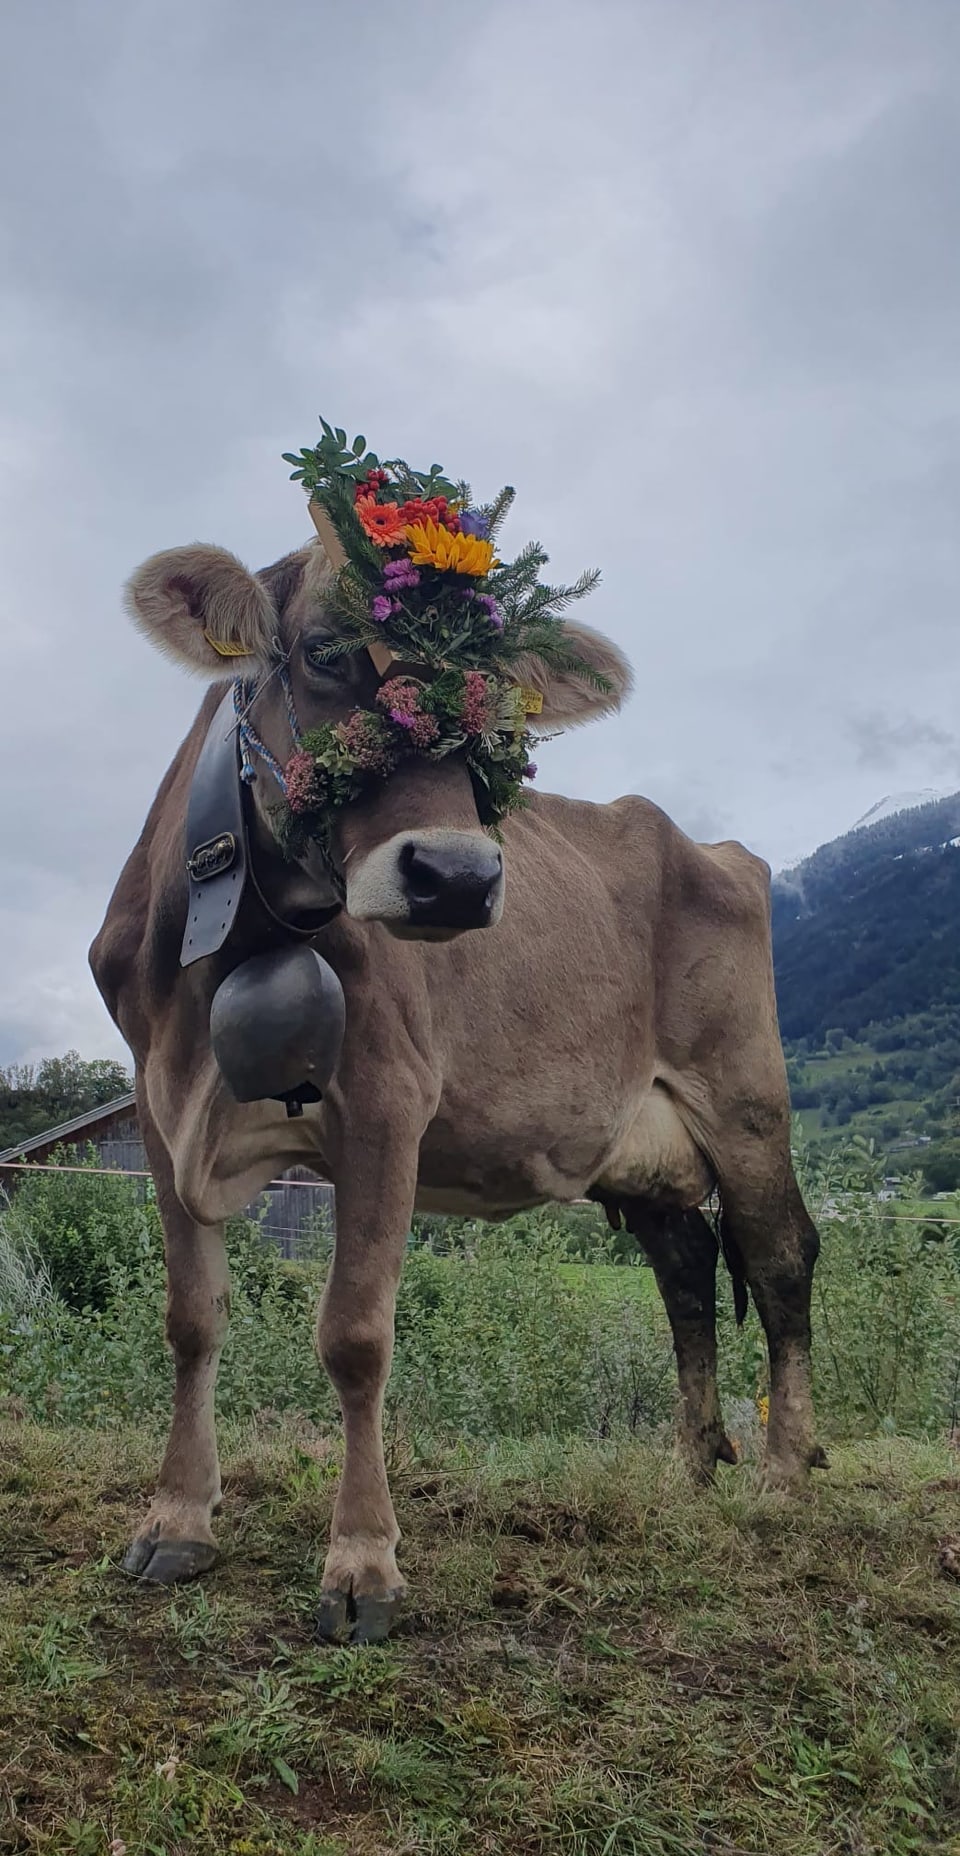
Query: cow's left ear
569	698
200	606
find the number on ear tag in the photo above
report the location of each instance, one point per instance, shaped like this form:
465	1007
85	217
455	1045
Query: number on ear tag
224	648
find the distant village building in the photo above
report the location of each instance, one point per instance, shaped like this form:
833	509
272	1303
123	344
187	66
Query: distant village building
289	1210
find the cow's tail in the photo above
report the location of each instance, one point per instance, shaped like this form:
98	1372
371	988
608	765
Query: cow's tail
733	1258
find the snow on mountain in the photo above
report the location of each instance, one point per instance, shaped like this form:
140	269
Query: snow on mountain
900	802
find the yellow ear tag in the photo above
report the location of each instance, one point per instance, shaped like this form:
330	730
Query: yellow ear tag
531	699
226	650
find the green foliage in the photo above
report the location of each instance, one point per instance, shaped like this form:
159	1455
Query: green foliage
498	1333
501	1343
886	1309
82	1226
941	1166
35	1097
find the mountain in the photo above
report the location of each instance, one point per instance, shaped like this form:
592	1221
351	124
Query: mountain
900	802
866	937
867	928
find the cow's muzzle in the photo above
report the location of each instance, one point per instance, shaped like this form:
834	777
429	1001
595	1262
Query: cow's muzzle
429	884
451	887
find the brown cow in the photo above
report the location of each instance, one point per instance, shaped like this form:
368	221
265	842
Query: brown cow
615	1036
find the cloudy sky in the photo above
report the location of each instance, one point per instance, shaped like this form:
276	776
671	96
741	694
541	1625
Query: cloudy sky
686	275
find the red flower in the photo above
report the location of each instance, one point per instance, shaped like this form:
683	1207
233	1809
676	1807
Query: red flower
370	486
435	509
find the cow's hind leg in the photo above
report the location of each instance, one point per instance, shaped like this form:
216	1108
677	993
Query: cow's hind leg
683	1251
778	1243
176	1540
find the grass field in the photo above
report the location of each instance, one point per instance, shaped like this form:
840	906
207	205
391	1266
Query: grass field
594	1661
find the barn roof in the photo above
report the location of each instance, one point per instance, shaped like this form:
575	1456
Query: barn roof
70	1131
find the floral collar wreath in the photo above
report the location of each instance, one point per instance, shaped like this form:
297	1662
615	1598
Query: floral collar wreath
418	584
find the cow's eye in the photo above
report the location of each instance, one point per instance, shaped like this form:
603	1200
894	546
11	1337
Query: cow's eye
315	651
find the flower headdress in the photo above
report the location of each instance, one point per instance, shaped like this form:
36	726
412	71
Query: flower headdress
418	583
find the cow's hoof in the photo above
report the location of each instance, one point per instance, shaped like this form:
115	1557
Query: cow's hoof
341	1618
702	1455
167	1562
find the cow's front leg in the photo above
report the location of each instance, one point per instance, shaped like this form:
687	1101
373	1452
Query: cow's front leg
176	1540
362	1585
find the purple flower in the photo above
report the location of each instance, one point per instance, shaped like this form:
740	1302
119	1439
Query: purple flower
381	609
530	771
473	523
489	604
492	610
399	574
401	718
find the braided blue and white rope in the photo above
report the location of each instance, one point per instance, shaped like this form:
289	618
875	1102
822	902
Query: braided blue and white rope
250	741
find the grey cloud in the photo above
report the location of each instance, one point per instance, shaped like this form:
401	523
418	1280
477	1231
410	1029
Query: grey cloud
690	283
885	744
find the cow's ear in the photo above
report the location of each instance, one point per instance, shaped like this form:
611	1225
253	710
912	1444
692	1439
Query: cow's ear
571	697
203	608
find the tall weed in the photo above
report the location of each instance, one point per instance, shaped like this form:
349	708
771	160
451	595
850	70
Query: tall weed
494	1339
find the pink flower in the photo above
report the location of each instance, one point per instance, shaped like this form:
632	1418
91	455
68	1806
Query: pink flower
381	609
475	709
299	776
424	731
362	737
400	698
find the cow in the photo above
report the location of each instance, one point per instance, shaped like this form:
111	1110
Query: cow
583	1008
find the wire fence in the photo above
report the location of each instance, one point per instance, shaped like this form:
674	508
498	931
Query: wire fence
325	1196
293	1212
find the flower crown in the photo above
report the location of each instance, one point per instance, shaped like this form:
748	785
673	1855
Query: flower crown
418	583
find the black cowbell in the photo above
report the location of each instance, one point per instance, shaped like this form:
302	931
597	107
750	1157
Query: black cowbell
276	1027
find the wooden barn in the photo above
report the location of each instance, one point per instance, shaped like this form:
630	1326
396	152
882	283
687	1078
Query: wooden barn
290	1210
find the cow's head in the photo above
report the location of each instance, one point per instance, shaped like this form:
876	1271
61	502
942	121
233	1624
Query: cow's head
413	854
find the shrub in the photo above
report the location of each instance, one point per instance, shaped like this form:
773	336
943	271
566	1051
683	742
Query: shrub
499	1337
499	1343
886	1309
24	1282
82	1224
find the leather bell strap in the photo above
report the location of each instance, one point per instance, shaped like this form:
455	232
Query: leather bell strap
216	842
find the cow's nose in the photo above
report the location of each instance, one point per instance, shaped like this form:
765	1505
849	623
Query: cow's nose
451	886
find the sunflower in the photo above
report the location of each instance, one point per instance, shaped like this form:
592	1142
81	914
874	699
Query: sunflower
382	522
431	546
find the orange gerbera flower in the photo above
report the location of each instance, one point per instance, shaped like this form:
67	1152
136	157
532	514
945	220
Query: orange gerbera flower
382	522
